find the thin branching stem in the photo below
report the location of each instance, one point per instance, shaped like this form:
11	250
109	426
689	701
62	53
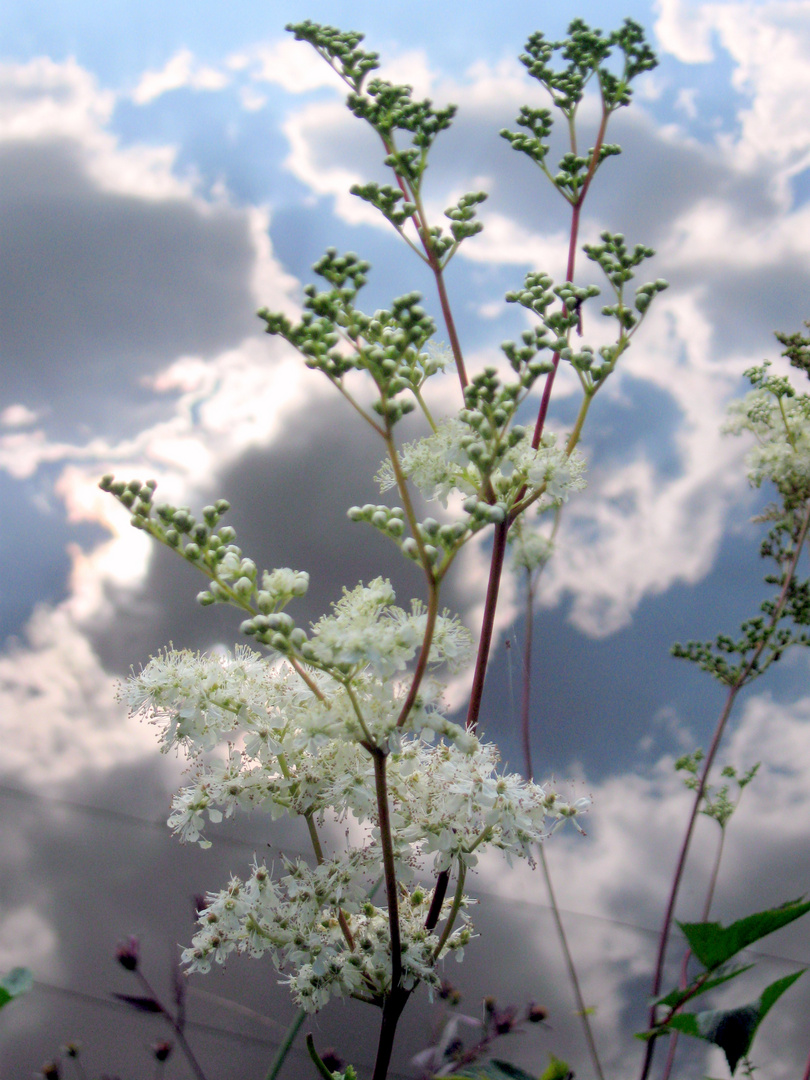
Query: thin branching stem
458	896
286	1045
582	1010
526	695
731	697
174	1024
704	917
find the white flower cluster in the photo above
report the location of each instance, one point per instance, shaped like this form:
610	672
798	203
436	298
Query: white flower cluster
295	920
781	426
439	464
365	629
298	749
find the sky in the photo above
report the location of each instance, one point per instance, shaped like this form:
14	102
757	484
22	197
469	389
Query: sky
166	170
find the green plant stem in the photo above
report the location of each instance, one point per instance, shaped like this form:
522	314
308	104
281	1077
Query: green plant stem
576	431
525	702
316	1059
720	728
451	918
286	1045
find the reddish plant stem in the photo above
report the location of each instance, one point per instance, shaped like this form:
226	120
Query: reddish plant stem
569	274
175	1025
424	654
381	785
439	893
666	926
499	546
449	322
806	1073
733	690
493	585
704	917
392	1010
555	360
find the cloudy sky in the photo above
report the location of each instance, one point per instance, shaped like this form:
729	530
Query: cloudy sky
168	169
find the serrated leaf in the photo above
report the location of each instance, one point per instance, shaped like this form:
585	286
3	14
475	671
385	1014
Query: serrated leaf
713	944
675	998
733	1030
141	1004
18	981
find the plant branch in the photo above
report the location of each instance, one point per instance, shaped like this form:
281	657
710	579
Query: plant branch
173	1023
493	586
733	691
286	1045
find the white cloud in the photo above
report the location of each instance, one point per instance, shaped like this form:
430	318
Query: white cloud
684	29
57	703
612	887
293	65
44	100
179	72
686	99
27	940
15	416
768	44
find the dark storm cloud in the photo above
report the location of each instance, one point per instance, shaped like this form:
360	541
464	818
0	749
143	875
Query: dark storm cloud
99	289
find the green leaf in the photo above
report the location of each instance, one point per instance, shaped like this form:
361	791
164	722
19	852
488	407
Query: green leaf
495	1070
713	944
18	981
733	1030
557	1070
675	998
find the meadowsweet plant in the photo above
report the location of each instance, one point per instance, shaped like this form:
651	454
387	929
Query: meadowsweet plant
344	720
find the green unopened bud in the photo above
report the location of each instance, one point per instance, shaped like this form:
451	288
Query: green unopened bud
243	587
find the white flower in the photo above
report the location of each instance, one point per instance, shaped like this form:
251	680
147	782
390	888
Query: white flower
781	427
440	463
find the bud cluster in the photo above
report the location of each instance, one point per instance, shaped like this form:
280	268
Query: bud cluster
335	337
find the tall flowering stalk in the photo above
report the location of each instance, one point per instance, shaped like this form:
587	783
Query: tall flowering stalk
346	719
